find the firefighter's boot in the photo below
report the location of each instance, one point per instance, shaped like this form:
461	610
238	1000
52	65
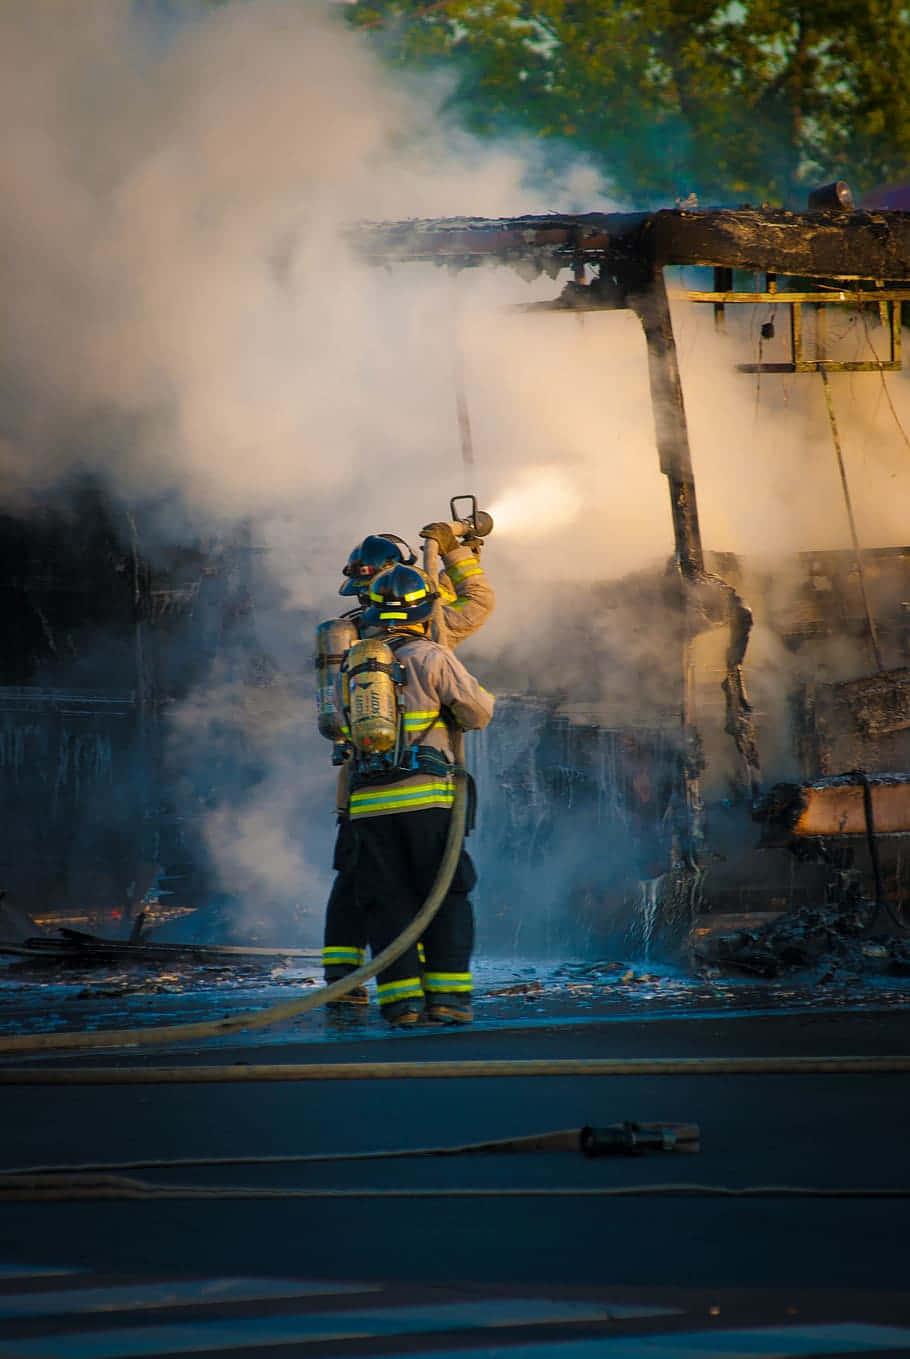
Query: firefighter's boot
357	996
449	1009
403	1014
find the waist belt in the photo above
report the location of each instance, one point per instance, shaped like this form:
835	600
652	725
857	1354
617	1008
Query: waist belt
415	760
423	760
429	760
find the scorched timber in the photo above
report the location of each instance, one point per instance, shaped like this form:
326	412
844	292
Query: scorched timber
814	244
835	806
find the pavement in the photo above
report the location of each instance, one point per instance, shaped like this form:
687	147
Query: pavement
786	1233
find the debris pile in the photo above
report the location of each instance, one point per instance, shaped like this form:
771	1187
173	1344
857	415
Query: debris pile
830	940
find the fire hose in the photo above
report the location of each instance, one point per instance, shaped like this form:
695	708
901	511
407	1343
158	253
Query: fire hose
275	1014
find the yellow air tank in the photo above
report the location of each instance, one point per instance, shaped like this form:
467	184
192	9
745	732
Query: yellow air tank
332	641
371	696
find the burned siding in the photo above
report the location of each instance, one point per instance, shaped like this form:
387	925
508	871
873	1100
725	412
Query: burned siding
100	642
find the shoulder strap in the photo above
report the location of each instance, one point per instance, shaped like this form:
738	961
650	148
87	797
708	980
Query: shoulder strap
443	714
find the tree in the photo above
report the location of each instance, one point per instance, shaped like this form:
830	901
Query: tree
741	100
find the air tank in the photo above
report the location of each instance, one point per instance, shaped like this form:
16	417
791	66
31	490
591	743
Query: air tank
333	638
371	696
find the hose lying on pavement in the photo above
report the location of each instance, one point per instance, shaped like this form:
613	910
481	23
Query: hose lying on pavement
240	1072
274	1014
22	1189
618	1138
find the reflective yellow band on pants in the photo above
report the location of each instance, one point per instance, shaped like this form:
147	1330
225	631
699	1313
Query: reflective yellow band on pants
407	797
409	988
446	981
336	955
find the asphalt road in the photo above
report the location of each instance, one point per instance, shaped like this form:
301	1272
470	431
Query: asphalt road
832	1132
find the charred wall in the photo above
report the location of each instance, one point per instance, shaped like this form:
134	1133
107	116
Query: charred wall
100	640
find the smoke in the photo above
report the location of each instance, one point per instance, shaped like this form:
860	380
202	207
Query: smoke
186	319
187	323
763	449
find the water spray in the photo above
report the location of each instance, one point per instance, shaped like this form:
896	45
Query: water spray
545	503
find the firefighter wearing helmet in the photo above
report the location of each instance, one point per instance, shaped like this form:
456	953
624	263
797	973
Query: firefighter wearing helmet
367	559
466	597
403	749
464	603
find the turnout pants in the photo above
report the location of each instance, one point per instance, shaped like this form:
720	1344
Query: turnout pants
345	938
386	866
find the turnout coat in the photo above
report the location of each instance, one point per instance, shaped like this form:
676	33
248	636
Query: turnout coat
441	699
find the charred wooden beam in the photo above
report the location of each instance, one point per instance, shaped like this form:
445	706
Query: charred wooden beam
653	310
80	949
465	241
824	244
811	244
836	806
652	307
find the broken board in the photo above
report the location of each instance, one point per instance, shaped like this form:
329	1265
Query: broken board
75	947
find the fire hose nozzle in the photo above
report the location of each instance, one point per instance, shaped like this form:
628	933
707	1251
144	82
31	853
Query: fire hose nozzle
476	524
631	1139
468	528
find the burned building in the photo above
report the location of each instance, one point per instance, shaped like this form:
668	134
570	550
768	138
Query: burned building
746	844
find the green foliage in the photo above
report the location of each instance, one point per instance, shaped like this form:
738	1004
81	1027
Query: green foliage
747	100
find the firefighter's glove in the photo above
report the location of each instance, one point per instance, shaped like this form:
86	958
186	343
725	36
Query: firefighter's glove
442	534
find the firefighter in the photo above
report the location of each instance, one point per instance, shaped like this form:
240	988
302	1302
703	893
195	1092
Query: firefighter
466	601
374	554
400	804
466	597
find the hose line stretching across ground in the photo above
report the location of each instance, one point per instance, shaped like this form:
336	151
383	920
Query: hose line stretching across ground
457	1070
57	1188
274	1014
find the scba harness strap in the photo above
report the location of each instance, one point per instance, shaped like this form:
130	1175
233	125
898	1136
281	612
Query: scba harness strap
414	760
395	671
